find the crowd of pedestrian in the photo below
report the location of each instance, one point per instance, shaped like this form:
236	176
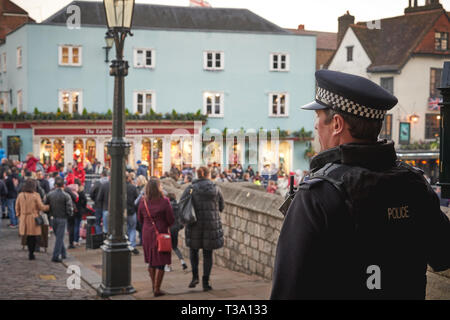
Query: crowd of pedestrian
273	179
39	198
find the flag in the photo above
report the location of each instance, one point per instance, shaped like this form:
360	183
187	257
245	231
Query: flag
433	104
199	3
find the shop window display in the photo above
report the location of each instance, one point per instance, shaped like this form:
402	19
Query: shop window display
45	151
78	150
90	150
58	151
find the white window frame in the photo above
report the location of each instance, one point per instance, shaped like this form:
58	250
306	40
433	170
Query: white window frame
19	57
143	92
4	61
70	63
286	105
278	55
80	100
145	65
19	101
213	68
221	105
5	101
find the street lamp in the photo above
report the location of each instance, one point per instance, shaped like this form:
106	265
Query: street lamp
444	155
109	40
116	275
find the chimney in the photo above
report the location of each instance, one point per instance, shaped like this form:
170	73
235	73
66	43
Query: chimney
344	22
301	27
429	5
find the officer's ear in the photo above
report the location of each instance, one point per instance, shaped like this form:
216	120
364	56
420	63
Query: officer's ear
338	124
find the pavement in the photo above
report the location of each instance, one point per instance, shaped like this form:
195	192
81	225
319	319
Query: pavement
227	285
42	279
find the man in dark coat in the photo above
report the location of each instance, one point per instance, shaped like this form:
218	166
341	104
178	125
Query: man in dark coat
12	182
364	225
98	207
43	183
103	202
132	194
206	233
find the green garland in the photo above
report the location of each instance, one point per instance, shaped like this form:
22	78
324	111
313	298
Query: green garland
420	145
302	133
51	116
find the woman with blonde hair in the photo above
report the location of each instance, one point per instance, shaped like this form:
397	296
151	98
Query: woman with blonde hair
155	211
28	205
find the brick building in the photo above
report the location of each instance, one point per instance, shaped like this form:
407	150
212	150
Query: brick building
405	55
325	47
11	17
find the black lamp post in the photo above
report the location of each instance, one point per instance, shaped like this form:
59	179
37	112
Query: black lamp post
444	155
116	276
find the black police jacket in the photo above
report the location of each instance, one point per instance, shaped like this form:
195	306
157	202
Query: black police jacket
364	226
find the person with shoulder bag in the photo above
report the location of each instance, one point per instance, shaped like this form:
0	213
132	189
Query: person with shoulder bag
28	206
156	216
206	233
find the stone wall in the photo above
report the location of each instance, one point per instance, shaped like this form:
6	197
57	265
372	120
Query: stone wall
251	224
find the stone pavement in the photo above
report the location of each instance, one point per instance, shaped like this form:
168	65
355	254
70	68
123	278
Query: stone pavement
38	279
21	278
227	285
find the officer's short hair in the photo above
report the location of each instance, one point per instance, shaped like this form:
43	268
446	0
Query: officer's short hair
360	128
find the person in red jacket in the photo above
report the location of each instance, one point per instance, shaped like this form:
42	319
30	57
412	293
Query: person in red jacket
31	162
80	173
53	168
70	179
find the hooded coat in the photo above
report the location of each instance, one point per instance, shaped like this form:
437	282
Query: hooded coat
206	232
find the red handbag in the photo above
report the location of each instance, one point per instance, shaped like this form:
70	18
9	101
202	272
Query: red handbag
163	240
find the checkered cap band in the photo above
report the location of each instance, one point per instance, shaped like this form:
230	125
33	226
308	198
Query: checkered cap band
336	101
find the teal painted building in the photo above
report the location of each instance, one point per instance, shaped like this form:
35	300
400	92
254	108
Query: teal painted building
241	70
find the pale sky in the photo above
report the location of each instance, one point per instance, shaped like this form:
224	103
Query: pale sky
320	15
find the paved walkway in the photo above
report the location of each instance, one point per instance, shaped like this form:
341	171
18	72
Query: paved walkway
38	279
226	284
21	278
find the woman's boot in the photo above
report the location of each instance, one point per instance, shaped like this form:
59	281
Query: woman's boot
31	246
152	272
158	282
206	286
194	282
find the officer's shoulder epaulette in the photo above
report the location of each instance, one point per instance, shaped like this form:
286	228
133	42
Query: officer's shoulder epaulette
408	166
308	184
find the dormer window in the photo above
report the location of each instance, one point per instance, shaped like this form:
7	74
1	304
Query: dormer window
441	41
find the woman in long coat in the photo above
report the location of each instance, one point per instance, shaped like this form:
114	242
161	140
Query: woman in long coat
160	212
28	205
206	233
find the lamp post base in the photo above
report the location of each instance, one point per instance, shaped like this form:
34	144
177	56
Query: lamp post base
116	277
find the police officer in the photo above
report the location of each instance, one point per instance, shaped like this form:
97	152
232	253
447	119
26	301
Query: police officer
364	225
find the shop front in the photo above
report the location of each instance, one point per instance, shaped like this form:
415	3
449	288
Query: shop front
160	144
427	160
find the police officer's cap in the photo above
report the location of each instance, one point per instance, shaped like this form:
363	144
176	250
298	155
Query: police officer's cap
351	94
